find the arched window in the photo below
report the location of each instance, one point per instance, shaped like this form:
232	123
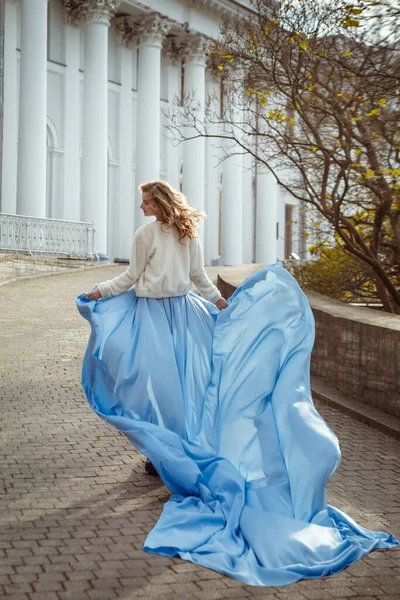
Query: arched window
113	207
182	81
288	230
49	173
222	99
54	160
181	178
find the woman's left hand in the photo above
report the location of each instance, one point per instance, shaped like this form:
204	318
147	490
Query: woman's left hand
93	295
221	303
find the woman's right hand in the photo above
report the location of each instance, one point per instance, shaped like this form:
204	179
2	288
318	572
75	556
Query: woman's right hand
93	295
221	303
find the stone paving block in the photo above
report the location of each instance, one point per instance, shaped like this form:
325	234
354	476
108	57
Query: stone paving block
261	592
131	583
47	586
17	588
164	577
76	504
212	584
102	594
323	594
77	587
354	590
133	571
365	598
205	574
236	593
208	595
149	591
43	596
7	570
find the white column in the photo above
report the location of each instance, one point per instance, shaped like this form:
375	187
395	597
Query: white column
194	150
126	208
266	218
72	205
10	110
213	154
31	187
232	208
232	184
213	169
152	30
174	88
248	209
95	114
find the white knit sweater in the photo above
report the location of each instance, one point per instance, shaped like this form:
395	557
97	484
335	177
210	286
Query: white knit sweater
161	266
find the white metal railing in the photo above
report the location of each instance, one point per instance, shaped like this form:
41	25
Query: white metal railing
54	237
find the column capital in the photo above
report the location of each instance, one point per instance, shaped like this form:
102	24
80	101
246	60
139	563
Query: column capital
196	48
152	30
127	31
87	11
173	48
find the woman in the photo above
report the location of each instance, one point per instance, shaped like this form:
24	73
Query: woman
220	403
166	255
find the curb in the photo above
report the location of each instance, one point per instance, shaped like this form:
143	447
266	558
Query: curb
53	273
371	415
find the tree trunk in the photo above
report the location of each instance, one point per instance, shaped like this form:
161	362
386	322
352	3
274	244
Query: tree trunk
388	302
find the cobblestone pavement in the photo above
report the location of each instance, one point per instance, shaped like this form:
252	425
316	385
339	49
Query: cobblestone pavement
76	504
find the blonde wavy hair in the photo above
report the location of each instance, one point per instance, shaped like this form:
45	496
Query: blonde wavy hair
174	208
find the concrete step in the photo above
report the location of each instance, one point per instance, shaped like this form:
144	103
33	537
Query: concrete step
373	416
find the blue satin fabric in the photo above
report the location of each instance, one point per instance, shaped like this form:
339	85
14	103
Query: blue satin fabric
221	404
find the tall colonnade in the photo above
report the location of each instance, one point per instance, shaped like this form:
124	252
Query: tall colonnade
241	225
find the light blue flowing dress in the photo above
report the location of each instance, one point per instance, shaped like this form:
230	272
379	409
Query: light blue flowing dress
220	403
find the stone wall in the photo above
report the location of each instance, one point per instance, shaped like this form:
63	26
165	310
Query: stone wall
356	350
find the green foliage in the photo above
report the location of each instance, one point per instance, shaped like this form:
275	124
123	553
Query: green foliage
338	275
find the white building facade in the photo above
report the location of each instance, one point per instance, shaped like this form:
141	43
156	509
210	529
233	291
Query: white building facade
87	84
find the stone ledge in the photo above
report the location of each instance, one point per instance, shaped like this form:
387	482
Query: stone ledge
371	415
51	260
19	267
230	278
341	310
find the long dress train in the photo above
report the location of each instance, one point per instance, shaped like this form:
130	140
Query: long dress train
221	404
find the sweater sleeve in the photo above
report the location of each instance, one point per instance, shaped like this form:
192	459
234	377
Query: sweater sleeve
137	264
198	275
